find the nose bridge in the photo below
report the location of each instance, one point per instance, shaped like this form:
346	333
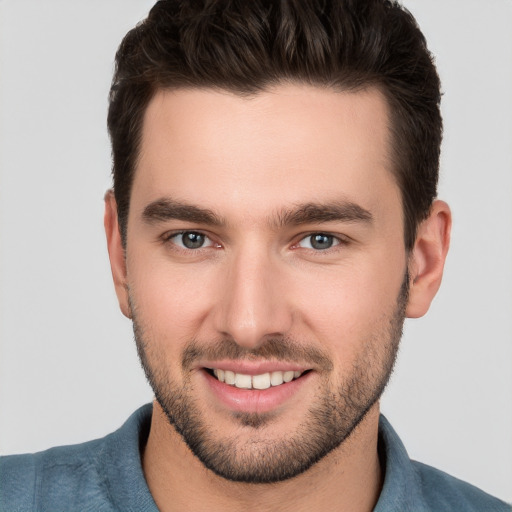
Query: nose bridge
252	306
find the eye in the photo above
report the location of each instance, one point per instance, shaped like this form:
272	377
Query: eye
190	240
319	242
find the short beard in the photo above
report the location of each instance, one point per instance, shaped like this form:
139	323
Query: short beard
327	424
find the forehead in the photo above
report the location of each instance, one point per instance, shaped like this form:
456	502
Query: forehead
250	154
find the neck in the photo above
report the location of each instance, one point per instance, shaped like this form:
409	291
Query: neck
348	479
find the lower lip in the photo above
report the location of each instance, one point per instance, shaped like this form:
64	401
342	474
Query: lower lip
255	400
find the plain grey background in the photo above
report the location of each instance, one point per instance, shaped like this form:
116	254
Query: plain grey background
68	365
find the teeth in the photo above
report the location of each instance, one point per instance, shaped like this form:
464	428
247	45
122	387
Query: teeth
288	376
243	381
262	381
276	378
219	374
229	377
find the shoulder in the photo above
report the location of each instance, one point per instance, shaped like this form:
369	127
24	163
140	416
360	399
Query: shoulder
101	475
442	491
411	486
58	475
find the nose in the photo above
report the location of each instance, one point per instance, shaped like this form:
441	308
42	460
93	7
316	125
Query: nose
253	303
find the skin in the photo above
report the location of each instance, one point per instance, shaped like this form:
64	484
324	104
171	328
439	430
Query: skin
248	160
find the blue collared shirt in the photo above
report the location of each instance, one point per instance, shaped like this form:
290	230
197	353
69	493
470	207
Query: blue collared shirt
106	475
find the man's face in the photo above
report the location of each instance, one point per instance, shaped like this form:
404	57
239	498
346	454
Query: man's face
265	243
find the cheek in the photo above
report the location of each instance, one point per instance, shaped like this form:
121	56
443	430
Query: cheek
350	307
170	299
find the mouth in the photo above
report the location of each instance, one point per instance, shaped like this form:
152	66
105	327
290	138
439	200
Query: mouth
261	381
255	386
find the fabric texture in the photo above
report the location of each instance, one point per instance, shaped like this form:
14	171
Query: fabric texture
106	475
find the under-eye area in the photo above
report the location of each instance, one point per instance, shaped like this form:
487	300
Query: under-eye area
262	381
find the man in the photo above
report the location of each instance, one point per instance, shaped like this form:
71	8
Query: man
272	222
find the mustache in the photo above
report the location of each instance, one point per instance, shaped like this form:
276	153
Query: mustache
275	348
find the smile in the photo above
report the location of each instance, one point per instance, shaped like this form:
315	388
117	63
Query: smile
262	381
256	387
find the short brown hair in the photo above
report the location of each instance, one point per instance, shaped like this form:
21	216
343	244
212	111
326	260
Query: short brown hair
245	46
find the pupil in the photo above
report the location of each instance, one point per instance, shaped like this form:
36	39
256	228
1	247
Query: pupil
321	241
193	240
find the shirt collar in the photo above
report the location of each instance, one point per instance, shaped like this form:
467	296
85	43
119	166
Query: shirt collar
122	463
401	489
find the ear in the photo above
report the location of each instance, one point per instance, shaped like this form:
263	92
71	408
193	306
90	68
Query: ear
116	253
426	262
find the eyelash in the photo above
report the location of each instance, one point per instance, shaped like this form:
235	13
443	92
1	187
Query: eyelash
335	240
169	237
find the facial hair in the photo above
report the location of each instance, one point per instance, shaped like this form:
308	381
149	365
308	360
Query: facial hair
331	419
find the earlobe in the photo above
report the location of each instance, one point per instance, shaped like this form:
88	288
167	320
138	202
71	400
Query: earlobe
116	253
427	259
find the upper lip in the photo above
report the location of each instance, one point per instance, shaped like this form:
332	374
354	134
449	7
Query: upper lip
254	367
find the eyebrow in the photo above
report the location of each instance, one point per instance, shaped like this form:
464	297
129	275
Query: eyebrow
169	209
310	213
165	209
